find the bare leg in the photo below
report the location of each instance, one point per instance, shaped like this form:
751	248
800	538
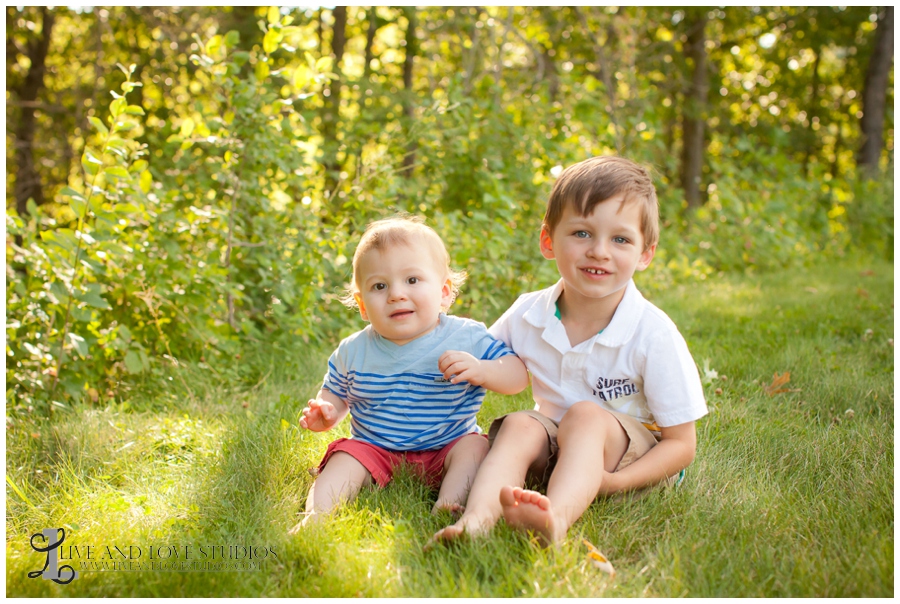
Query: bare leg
521	443
460	467
587	433
340	481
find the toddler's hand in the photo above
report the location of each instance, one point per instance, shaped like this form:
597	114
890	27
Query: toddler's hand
463	366
318	416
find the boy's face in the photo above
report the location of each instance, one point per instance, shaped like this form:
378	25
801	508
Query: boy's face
402	290
597	255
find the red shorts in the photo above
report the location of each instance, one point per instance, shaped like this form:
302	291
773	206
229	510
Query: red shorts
381	462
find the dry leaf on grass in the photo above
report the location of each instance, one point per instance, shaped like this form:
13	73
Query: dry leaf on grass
598	559
777	382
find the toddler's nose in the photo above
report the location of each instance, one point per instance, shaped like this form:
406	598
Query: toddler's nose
397	294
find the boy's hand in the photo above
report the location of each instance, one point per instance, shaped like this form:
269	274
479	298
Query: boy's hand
463	366
319	416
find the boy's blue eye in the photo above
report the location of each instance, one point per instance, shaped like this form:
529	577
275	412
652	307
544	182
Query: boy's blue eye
582	234
620	240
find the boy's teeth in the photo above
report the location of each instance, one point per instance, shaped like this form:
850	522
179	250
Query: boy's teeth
594	271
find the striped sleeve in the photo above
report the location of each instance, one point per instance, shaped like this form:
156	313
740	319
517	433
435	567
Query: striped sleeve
336	378
486	348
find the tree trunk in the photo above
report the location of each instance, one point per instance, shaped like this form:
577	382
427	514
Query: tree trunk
331	109
412	49
693	147
28	181
812	113
372	16
875	94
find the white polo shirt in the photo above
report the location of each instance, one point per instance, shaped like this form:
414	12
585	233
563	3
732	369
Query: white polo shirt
639	365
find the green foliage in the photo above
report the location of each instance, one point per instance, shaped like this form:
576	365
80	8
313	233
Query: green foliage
65	334
200	222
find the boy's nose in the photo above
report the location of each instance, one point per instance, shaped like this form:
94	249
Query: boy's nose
599	250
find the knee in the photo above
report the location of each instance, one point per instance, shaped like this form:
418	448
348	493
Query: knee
473	445
521	426
472	448
585	413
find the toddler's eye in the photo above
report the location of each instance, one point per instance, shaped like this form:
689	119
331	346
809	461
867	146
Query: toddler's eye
412	280
379	286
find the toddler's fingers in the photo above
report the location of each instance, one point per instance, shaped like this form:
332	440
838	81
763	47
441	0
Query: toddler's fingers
451	369
462	375
446	360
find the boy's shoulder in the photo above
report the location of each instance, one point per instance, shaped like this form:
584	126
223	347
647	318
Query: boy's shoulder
536	304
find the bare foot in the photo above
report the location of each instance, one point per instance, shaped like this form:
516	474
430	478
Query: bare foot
465	527
530	511
308	519
456	510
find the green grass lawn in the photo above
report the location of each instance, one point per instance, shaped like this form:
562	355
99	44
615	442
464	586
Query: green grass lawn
791	494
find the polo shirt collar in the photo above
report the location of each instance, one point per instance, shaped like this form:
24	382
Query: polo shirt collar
624	323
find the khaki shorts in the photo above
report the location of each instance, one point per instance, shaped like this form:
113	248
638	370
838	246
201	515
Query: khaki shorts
640	440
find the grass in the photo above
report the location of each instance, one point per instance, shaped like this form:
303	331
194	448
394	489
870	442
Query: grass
791	494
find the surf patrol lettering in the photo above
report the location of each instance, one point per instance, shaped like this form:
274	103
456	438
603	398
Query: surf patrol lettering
611	389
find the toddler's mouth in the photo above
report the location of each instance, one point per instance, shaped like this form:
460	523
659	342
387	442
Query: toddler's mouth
400	314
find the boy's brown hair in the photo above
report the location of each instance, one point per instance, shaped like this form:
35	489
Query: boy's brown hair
402	229
583	185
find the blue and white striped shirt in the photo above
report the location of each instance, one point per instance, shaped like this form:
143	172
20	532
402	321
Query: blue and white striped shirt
396	401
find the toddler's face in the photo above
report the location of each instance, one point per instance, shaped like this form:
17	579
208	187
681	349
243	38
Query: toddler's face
402	290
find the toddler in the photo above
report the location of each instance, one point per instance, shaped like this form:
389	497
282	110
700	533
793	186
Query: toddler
412	380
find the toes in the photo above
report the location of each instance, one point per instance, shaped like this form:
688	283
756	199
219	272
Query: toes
445	535
508	496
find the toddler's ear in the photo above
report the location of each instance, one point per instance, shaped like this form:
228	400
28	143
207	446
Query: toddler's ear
546	244
362	306
447	295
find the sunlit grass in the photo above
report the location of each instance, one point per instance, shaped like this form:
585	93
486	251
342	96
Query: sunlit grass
791	494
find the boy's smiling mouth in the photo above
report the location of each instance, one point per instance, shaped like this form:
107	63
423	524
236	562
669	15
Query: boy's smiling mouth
595	271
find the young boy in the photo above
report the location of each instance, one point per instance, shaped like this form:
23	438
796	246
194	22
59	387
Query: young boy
412	380
616	390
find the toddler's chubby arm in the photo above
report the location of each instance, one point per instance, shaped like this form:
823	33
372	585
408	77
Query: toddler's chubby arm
674	452
506	375
323	412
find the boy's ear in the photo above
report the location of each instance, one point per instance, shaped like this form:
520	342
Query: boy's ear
362	306
646	258
546	244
